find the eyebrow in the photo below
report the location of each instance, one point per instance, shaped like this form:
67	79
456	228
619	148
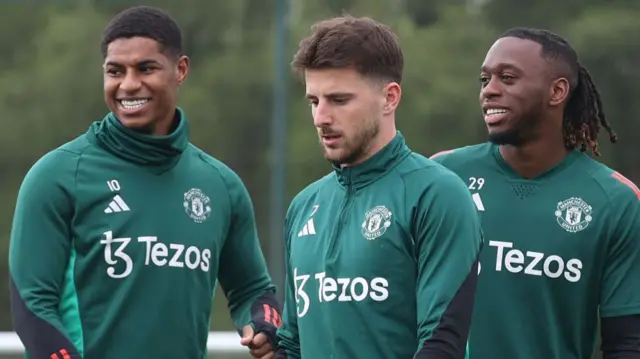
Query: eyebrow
502	66
331	95
139	63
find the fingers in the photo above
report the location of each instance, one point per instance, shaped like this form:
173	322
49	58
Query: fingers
259	340
259	346
264	351
247	335
271	355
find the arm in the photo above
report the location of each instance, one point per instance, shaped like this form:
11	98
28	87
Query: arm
448	239
620	300
288	341
621	337
243	271
39	251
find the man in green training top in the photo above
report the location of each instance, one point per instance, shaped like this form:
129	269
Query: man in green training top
120	236
562	230
381	254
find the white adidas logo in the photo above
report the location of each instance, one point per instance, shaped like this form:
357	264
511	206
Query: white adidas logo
478	201
117	205
308	229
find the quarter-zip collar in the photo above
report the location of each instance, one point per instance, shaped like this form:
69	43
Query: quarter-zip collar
376	166
156	153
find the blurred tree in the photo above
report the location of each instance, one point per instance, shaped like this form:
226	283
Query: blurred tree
602	36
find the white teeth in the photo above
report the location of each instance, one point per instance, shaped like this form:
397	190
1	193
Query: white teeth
495	111
133	104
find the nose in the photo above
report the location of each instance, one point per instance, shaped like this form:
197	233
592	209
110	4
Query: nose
130	83
491	88
321	114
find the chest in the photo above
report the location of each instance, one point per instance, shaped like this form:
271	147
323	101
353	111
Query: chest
128	219
547	229
352	233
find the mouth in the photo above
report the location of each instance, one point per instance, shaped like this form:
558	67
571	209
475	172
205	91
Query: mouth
330	140
494	115
131	106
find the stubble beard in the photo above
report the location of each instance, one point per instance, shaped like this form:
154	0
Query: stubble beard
356	147
523	130
511	137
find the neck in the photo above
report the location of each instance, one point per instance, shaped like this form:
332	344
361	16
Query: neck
379	142
166	125
534	158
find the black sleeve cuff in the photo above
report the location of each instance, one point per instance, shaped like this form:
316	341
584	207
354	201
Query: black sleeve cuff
40	338
266	316
620	337
449	339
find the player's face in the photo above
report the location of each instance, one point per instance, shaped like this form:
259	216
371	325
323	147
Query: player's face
347	109
514	90
141	84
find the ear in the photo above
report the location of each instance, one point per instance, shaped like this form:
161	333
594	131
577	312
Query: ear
393	93
182	69
559	91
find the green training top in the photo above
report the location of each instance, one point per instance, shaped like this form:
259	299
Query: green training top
560	248
117	244
381	261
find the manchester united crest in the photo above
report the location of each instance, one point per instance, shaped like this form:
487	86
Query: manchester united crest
573	214
196	205
376	222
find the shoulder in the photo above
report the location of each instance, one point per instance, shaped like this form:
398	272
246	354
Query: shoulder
309	193
424	177
621	201
58	165
304	200
463	155
216	167
419	171
223	180
52	177
77	146
618	189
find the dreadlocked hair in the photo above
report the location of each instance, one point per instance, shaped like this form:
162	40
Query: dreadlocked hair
584	114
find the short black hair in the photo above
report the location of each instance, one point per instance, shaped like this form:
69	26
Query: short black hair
144	21
583	114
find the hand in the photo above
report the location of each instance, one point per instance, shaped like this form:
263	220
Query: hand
258	345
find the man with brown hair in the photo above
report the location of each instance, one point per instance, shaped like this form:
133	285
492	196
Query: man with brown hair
382	253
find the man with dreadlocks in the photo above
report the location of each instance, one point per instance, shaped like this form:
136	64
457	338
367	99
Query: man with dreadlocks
562	230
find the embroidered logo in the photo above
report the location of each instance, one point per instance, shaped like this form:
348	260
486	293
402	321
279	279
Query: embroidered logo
573	214
196	205
376	222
